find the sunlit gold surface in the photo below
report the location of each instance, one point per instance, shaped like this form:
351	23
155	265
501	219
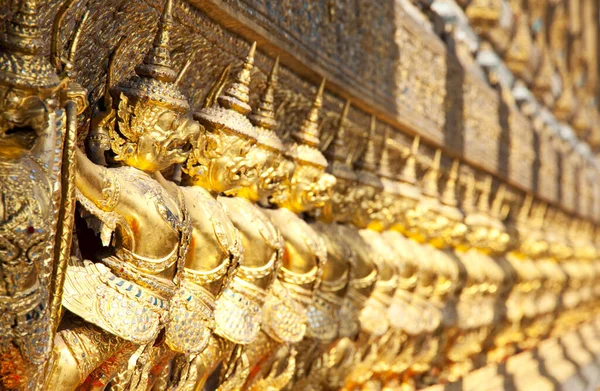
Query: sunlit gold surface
274	237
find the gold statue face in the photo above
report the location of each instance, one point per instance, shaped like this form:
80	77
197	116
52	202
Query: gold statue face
273	179
498	239
370	206
435	225
453	233
273	184
392	209
150	137
409	214
477	236
22	118
341	201
224	161
309	188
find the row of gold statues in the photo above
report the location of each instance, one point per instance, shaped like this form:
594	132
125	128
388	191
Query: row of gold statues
548	45
187	250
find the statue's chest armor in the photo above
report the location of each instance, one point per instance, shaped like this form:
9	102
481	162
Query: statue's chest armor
152	193
213	229
156	210
300	234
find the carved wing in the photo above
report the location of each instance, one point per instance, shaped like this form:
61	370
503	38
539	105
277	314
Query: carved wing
81	283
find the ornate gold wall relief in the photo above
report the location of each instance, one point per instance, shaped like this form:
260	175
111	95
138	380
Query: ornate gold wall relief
418	101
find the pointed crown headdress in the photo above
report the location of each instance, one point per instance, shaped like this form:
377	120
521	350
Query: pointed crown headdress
154	80
337	152
408	174
263	117
366	165
22	63
468	200
498	203
230	114
449	194
430	181
449	201
385	169
407	178
484	198
305	144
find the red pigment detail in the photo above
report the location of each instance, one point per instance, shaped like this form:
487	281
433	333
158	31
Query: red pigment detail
135	226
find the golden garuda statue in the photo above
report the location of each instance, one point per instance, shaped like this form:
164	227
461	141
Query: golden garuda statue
121	294
185	209
39	105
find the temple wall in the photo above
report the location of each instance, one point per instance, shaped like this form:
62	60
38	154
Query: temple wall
384	56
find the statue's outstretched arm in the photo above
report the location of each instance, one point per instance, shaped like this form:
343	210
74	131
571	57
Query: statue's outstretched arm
94	181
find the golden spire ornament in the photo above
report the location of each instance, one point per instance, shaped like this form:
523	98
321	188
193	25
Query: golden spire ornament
308	134
370	191
237	96
264	115
154	80
449	194
407	178
337	152
367	164
230	115
525	210
469	199
449	208
539	214
22	63
337	149
385	169
391	188
409	171
483	204
368	160
157	63
498	203
430	181
306	139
